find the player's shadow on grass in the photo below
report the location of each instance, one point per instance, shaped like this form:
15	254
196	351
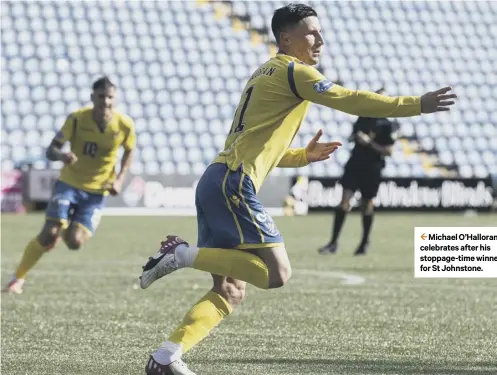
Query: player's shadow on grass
412	367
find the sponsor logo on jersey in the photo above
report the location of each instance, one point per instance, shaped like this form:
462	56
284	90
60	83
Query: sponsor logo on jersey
322	86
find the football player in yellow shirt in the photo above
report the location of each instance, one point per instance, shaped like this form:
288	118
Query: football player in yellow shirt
95	134
238	242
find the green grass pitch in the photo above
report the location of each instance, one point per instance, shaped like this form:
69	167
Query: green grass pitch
83	313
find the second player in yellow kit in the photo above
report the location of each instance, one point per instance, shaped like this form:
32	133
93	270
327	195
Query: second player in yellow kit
95	133
95	148
238	241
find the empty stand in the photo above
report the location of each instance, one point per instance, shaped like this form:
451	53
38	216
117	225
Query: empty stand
180	67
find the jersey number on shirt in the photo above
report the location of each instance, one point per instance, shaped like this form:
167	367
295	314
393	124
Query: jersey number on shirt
240	126
90	149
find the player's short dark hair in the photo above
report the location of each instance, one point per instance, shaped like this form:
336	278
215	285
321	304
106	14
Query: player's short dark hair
289	16
102	83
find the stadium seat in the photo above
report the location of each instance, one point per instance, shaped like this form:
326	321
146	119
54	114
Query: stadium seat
152	168
183	92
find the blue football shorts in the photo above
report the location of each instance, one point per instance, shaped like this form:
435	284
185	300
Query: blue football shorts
69	204
229	214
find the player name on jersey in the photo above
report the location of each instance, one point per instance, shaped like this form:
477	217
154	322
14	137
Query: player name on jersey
265	70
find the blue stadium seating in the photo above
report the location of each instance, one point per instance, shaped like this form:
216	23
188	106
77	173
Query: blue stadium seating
181	65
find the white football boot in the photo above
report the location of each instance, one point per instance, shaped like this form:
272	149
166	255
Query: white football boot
162	263
14	286
177	367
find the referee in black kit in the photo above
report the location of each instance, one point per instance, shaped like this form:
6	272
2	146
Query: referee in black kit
374	138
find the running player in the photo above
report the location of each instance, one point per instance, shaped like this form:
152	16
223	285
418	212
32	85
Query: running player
95	134
374	139
238	241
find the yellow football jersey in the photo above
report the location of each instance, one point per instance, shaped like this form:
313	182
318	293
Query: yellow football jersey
274	104
95	149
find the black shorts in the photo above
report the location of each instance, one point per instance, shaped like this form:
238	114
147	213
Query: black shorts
364	177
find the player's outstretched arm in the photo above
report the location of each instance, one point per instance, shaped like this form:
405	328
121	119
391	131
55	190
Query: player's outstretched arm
314	151
313	86
437	101
294	158
319	151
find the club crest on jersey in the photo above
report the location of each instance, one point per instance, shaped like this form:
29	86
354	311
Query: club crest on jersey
267	223
322	86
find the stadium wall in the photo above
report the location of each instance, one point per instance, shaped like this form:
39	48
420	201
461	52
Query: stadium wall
317	194
174	195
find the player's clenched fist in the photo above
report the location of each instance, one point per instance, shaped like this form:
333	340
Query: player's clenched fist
437	101
114	188
69	158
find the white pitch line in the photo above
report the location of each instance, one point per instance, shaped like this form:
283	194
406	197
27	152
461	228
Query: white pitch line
96	274
347	279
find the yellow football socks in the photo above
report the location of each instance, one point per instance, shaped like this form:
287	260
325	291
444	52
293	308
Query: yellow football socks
237	264
200	320
32	253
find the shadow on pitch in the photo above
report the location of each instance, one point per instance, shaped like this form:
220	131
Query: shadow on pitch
372	367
